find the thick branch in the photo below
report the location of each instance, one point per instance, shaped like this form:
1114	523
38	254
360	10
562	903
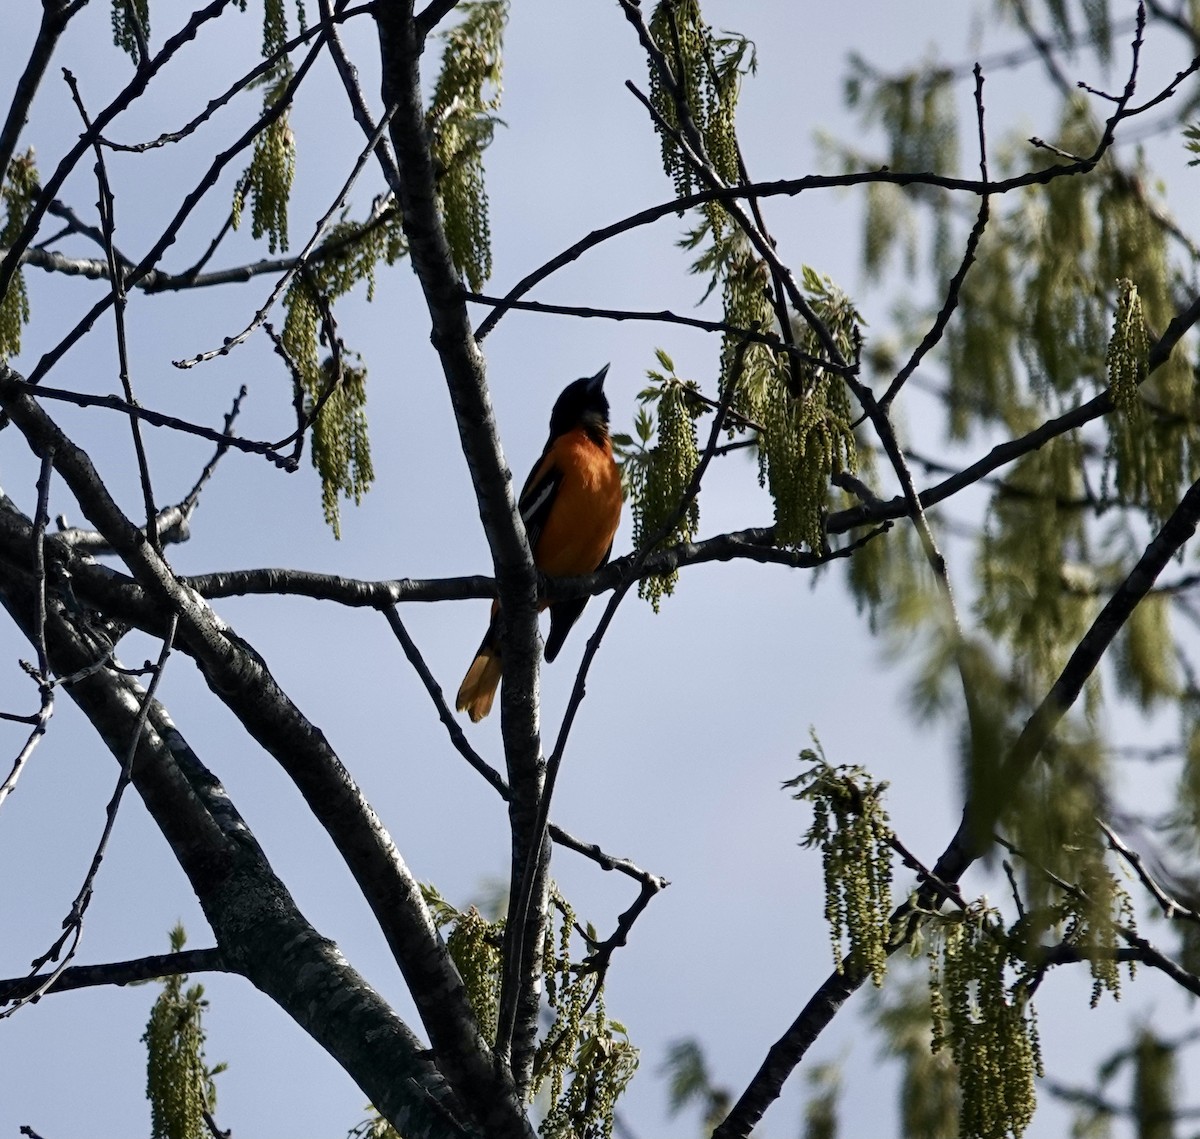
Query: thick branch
260	932
401	40
238	676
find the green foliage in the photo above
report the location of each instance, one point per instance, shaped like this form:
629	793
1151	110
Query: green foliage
981	343
916	111
1097	32
799	410
1153	1102
1192	134
987	1025
1035	537
582	1045
461	121
690	1082
374	1126
476	947
268	179
267	182
341	446
930	1102
275	26
851	828
585	1060
1034	311
1128	350
657	477
1145	663
341	449
179	1083
1184	821
1154	1090
17	194
804	409
820	1112
1051	820
887	578
708	70
124	15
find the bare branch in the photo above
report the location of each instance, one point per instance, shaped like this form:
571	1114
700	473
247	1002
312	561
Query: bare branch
132	91
73	922
297	266
358	103
120	973
1172	908
934	335
45	710
55	16
453	728
169	235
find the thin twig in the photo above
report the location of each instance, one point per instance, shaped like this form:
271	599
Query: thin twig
457	736
45	710
1172	908
73	923
157	418
954	291
169	235
281	285
107	205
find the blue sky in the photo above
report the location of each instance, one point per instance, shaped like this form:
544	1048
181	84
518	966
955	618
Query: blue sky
694	717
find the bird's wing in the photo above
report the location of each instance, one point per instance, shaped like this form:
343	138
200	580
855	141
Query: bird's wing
538	494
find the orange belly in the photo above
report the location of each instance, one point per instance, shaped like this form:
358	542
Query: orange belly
591	491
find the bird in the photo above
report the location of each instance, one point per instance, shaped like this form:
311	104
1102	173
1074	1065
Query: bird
571	507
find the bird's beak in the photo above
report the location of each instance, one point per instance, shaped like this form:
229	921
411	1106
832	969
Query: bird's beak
596	384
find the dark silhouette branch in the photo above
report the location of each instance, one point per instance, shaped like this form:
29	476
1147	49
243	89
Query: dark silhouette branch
56	14
119	973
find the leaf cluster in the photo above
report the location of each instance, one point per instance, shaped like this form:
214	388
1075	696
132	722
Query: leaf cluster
706	70
461	121
690	1082
851	829
930	1101
179	1083
17	194
585	1060
656	477
268	179
336	406
987	1025
127	17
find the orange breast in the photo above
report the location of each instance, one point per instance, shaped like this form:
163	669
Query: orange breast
586	511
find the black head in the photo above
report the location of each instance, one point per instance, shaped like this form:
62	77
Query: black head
582	404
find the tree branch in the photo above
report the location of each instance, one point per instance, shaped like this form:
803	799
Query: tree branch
56	14
120	973
238	676
402	41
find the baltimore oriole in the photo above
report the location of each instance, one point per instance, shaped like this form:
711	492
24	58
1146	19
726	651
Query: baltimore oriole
571	504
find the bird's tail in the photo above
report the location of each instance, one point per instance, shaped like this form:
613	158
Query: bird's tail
478	689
